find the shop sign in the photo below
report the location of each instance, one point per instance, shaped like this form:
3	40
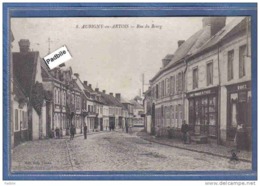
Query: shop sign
240	86
201	93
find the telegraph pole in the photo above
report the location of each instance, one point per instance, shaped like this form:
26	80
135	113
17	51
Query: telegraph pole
142	84
49	45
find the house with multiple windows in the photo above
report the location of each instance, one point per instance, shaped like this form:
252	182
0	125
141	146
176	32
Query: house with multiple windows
207	82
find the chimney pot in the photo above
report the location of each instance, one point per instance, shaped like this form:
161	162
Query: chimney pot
111	94
24	45
76	74
85	83
90	86
104	91
180	42
215	24
118	96
97	89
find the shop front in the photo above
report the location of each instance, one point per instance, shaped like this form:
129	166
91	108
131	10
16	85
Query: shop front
203	112
239	109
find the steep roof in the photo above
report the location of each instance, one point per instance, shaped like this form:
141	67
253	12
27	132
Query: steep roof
191	44
226	31
136	104
24	69
18	90
45	71
111	100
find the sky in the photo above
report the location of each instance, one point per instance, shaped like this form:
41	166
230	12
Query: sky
112	57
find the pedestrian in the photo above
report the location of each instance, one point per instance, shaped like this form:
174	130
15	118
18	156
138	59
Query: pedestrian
57	132
184	130
52	133
61	133
72	132
241	138
85	131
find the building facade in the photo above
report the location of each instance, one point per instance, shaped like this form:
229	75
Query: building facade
214	94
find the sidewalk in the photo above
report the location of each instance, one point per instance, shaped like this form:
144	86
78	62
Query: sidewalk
211	149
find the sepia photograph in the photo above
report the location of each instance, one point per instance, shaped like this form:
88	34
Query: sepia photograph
90	94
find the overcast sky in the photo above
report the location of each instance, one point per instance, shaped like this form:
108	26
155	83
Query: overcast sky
111	58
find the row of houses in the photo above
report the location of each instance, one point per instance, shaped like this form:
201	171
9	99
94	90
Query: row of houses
206	83
44	100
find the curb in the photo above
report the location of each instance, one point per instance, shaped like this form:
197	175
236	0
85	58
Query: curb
193	150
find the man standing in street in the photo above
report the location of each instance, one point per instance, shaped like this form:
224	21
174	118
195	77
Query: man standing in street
184	130
85	131
72	132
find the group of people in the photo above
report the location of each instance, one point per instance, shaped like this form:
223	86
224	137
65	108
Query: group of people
73	131
240	140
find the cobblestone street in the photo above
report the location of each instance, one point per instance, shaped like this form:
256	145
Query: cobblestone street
113	151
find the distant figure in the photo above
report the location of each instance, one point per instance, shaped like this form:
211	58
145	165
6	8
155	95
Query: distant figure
72	132
52	133
234	156
61	133
241	138
184	130
57	133
126	128
85	131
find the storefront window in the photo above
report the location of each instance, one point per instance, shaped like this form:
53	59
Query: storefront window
203	115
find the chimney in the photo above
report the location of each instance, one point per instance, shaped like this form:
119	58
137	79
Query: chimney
85	83
104	91
111	94
215	24
90	86
24	45
118	96
167	60
97	89
76	74
180	42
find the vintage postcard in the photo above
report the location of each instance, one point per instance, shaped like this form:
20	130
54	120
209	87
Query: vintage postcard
97	92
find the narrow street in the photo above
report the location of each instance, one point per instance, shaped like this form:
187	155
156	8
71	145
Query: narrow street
113	151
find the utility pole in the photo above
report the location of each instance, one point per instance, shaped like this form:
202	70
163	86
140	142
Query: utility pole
142	84
49	45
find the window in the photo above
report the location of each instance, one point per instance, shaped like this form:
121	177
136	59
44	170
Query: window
163	88
177	84
156	91
242	54
180	82
55	95
23	120
195	78
162	111
168	87
210	73
58	96
173	85
230	65
16	127
180	114
25	126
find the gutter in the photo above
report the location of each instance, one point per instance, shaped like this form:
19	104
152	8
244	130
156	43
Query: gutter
219	101
184	90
